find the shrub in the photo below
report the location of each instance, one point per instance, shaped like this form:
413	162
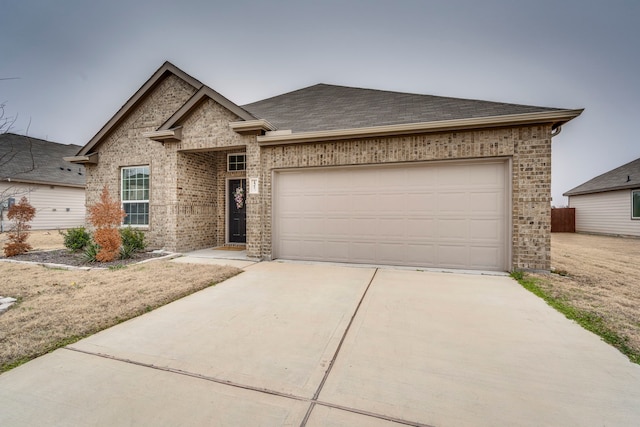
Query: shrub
90	252
106	216
21	214
132	242
76	239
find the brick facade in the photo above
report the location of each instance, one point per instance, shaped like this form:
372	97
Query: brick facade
189	178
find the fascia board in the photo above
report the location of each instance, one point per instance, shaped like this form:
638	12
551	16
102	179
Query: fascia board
557	118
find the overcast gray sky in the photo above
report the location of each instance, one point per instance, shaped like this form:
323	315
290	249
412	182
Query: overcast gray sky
76	62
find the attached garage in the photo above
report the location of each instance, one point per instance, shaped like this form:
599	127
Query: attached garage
429	214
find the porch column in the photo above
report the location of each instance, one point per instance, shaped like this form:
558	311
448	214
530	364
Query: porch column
254	201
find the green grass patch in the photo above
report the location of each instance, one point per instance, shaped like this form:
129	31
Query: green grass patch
589	320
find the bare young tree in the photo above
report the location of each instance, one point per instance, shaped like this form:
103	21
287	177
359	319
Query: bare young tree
10	150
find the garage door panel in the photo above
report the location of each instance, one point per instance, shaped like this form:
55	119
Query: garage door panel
421	228
485	202
485	256
453	256
390	253
424	254
434	215
338	249
485	229
420	203
453	202
362	252
453	228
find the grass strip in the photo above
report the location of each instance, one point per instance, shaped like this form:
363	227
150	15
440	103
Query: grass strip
591	321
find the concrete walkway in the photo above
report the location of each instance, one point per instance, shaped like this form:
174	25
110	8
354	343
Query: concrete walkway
321	345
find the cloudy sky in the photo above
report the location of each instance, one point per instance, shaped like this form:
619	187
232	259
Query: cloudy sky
67	66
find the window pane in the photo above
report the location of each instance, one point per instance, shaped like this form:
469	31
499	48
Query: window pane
237	162
636	204
137	213
135	195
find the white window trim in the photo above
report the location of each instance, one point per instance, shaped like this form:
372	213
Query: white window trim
237	154
632	193
122	202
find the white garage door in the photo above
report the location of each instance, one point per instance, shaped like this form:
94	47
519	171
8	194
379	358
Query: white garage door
449	215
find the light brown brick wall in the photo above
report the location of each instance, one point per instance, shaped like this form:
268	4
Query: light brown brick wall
529	147
125	146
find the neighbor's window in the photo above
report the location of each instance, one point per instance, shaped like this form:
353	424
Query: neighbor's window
635	204
236	162
135	195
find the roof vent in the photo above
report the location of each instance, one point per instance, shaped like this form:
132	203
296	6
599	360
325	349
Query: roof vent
628	178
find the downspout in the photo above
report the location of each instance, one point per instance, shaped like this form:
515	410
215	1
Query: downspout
556	131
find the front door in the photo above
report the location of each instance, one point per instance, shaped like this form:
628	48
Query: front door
236	206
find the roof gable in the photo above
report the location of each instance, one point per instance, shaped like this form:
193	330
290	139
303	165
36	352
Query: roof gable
33	160
324	107
621	178
166	69
204	93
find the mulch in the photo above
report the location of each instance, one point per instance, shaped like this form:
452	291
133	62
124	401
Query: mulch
64	257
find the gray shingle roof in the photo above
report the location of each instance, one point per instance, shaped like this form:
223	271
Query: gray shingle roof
621	178
36	160
328	107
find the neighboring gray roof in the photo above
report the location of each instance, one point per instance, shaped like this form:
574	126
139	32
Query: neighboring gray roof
621	178
328	107
28	159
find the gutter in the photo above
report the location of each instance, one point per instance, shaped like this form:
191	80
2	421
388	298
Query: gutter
556	118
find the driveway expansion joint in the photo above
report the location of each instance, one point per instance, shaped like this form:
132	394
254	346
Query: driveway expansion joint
335	355
190	374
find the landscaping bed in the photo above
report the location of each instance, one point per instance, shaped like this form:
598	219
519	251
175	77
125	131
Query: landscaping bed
65	257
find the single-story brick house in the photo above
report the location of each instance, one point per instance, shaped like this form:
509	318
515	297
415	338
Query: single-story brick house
332	173
35	168
609	203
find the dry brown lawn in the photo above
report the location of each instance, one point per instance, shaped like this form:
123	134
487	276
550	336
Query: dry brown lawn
40	240
599	275
56	307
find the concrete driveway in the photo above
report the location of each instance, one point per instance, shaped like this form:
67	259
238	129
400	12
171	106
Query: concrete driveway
323	345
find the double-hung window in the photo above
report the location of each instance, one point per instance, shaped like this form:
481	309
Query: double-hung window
135	195
635	204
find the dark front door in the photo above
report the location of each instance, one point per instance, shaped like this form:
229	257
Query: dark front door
237	210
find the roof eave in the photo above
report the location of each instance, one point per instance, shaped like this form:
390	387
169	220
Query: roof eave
91	159
33	182
602	190
169	135
556	118
257	126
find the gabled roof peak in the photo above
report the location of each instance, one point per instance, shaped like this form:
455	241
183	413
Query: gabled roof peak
165	69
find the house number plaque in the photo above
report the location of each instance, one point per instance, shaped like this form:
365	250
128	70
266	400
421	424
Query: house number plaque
254	186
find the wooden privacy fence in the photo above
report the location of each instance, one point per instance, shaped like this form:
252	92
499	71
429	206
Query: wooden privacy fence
563	220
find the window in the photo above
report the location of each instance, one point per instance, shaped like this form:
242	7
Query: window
635	204
135	195
236	162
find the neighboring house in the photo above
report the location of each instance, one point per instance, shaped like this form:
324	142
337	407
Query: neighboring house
609	203
35	168
332	173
